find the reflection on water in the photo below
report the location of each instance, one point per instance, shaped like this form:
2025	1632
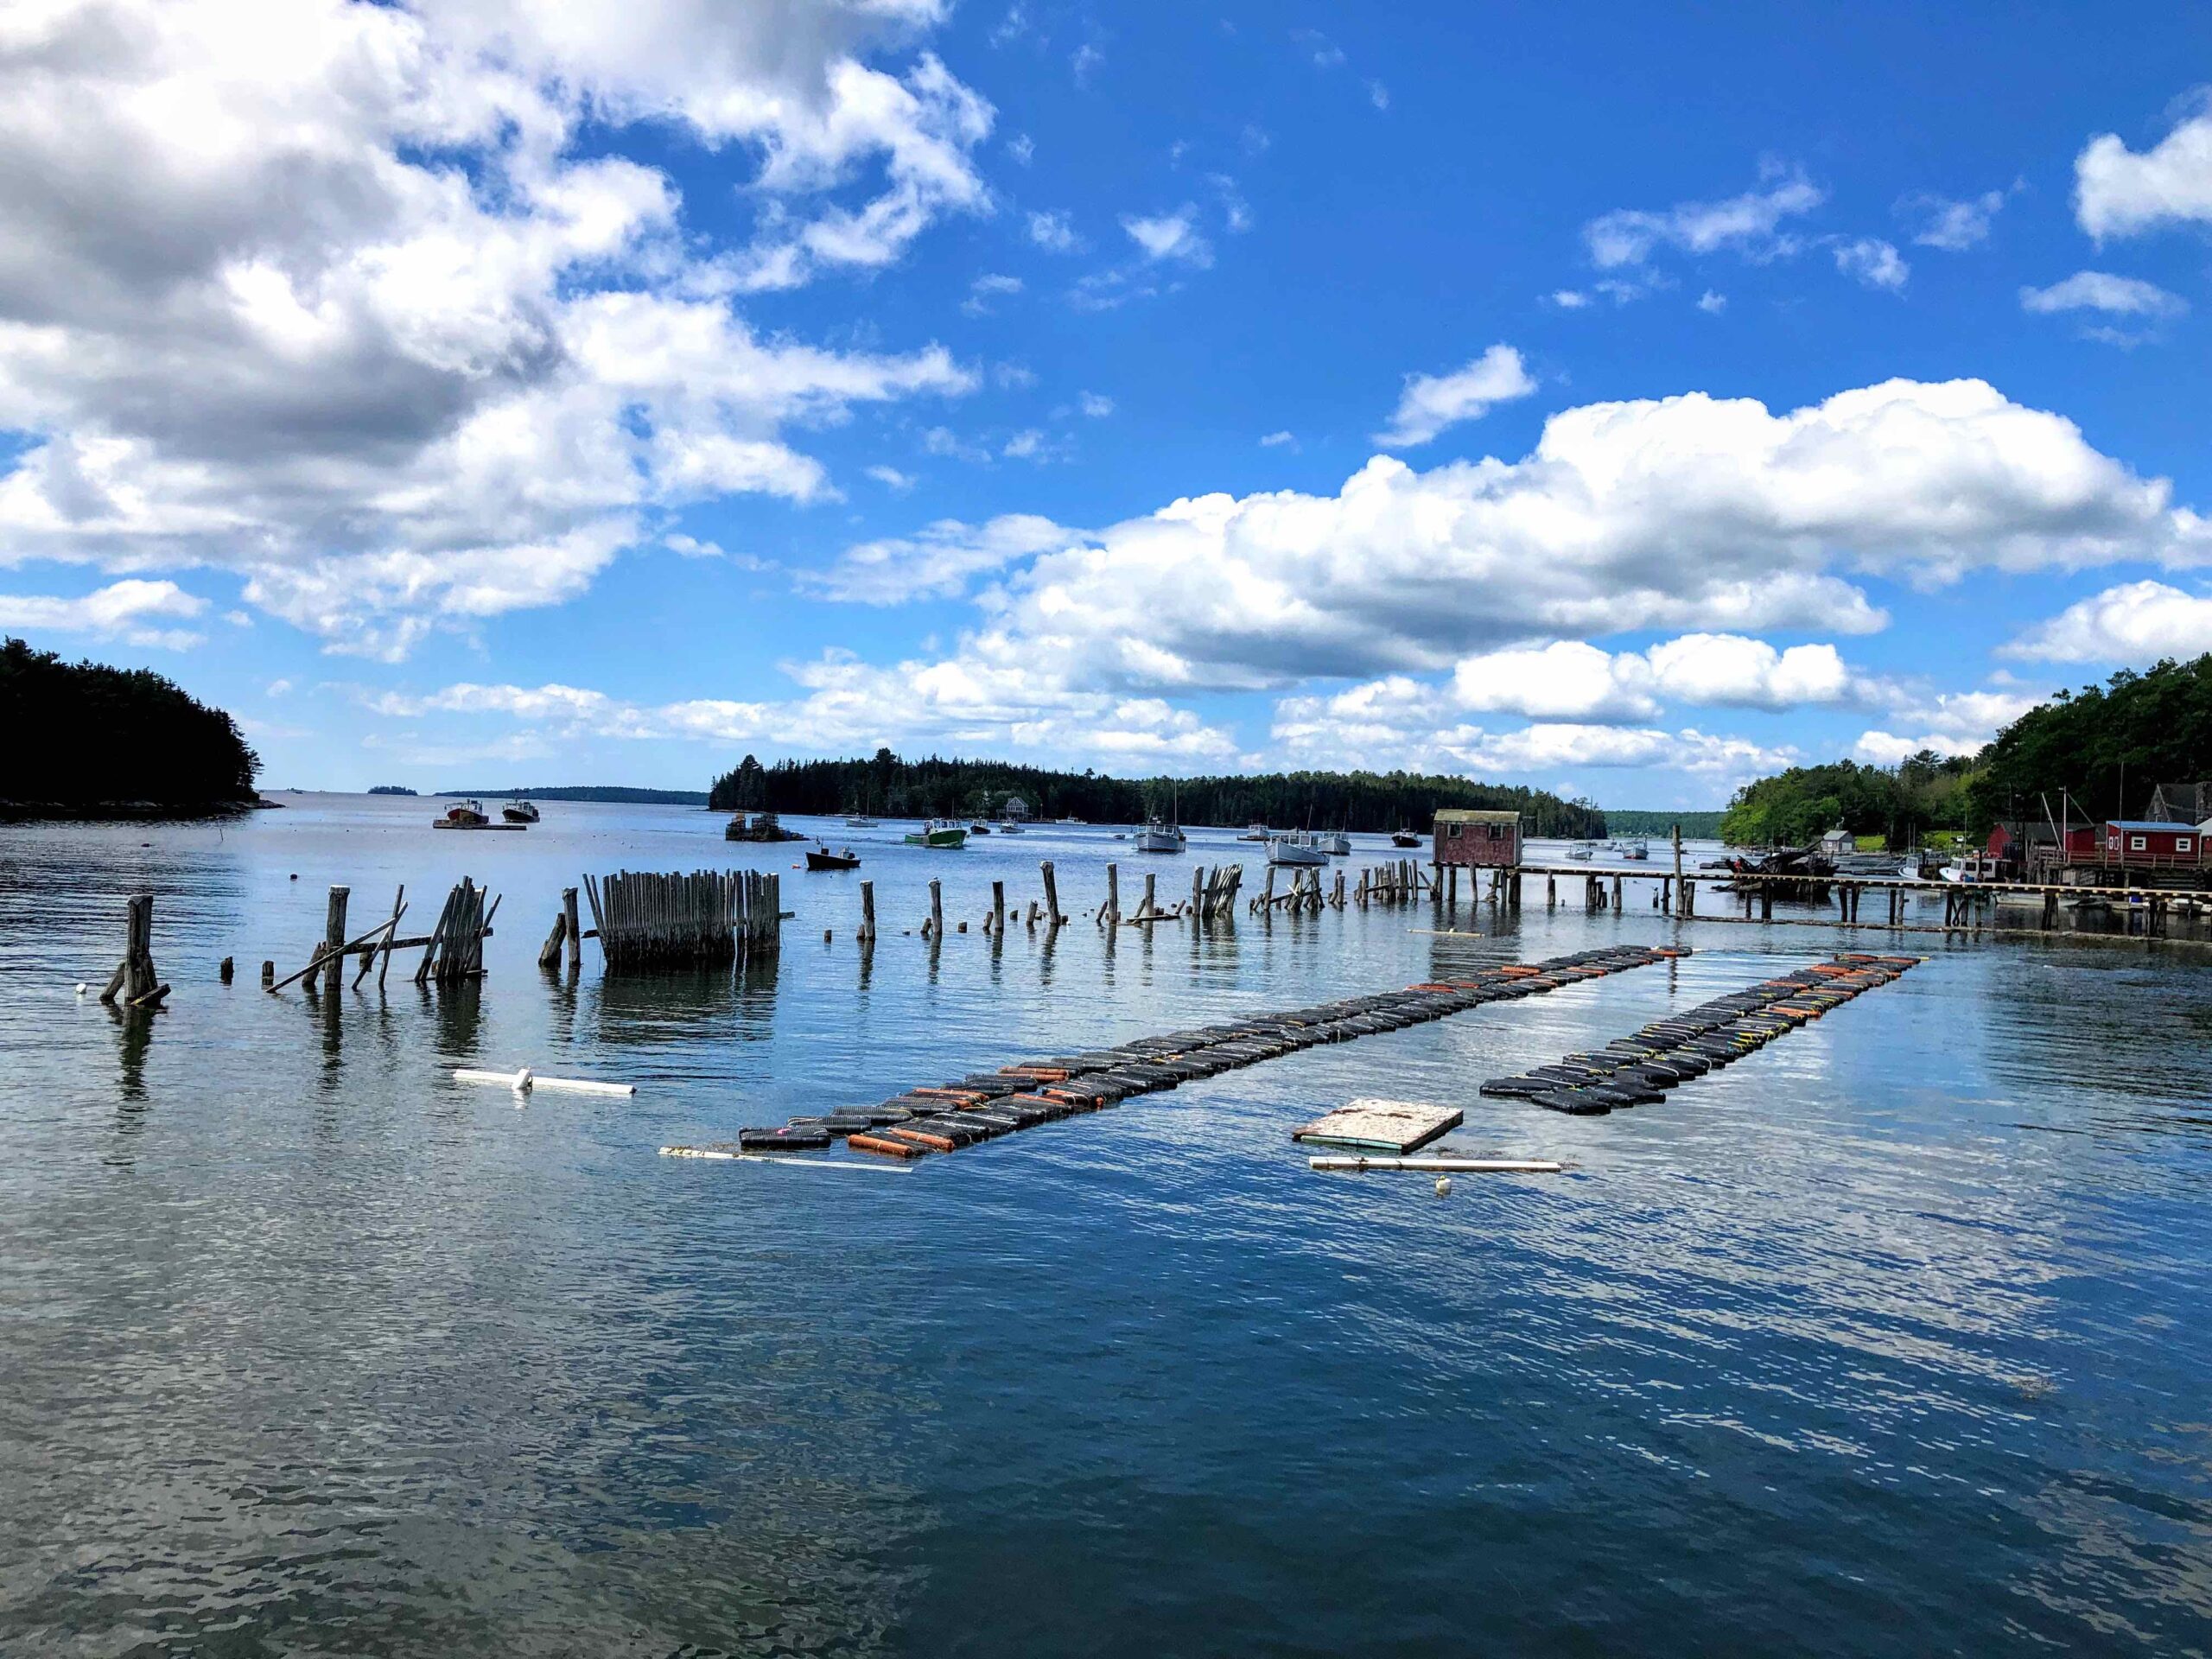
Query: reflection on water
1896	1327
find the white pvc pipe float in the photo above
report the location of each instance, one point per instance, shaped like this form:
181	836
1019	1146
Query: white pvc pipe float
769	1157
524	1081
1446	1165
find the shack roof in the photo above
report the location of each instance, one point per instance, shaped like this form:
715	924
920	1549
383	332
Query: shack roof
1468	815
2166	824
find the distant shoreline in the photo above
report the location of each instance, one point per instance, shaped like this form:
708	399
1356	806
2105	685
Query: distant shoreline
126	811
617	793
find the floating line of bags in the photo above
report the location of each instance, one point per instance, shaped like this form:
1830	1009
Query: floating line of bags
984	1105
1639	1069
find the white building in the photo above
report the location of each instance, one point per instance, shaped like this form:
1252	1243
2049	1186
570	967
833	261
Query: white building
1016	809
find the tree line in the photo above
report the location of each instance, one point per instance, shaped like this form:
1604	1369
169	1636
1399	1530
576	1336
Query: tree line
82	736
2104	748
888	786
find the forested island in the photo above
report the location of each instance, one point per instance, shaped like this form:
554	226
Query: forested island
619	793
1694	826
87	741
2104	748
937	788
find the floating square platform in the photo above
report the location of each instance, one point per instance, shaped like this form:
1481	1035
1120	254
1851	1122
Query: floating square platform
1397	1126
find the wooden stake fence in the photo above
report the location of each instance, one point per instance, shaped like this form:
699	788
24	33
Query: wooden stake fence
649	920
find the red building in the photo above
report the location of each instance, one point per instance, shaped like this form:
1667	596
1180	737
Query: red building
2143	844
1482	840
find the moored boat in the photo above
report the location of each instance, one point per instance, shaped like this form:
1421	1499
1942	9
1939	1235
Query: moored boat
940	838
1254	832
1582	849
820	857
1158	837
1336	843
1008	827
519	811
1404	838
1639	848
1297	849
463	815
979	828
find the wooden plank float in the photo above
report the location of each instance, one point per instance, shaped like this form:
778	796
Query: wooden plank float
1392	1126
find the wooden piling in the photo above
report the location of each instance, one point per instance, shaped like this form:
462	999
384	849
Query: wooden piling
937	908
1113	895
548	954
267	974
998	910
224	970
576	932
868	913
333	936
1053	919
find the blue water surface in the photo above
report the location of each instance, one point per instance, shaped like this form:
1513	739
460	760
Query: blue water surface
1888	1339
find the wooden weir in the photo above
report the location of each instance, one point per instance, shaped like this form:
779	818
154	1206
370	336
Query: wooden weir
649	920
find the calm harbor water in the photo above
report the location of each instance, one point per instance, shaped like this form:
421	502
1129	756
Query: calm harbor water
1890	1338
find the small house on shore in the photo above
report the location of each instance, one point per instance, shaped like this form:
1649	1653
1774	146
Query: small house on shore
1016	810
1839	843
1479	839
2147	843
2189	804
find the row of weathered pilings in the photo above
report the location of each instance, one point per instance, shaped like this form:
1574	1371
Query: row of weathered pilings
645	920
648	919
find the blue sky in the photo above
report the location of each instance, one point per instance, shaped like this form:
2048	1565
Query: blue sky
1624	401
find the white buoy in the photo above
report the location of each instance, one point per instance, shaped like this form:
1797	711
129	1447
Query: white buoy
523	1081
82	988
1444	1186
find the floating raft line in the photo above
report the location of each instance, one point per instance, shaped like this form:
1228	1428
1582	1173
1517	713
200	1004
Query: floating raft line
984	1105
1638	1070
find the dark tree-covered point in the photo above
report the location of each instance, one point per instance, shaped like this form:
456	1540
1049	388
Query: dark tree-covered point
936	788
87	739
2103	749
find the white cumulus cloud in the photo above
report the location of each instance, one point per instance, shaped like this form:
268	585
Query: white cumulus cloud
1432	401
2136	622
1951	224
1869	260
128	610
2120	192
2098	290
353	300
1170	237
1749	225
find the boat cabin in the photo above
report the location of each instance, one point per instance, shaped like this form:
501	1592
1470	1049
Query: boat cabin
1484	840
